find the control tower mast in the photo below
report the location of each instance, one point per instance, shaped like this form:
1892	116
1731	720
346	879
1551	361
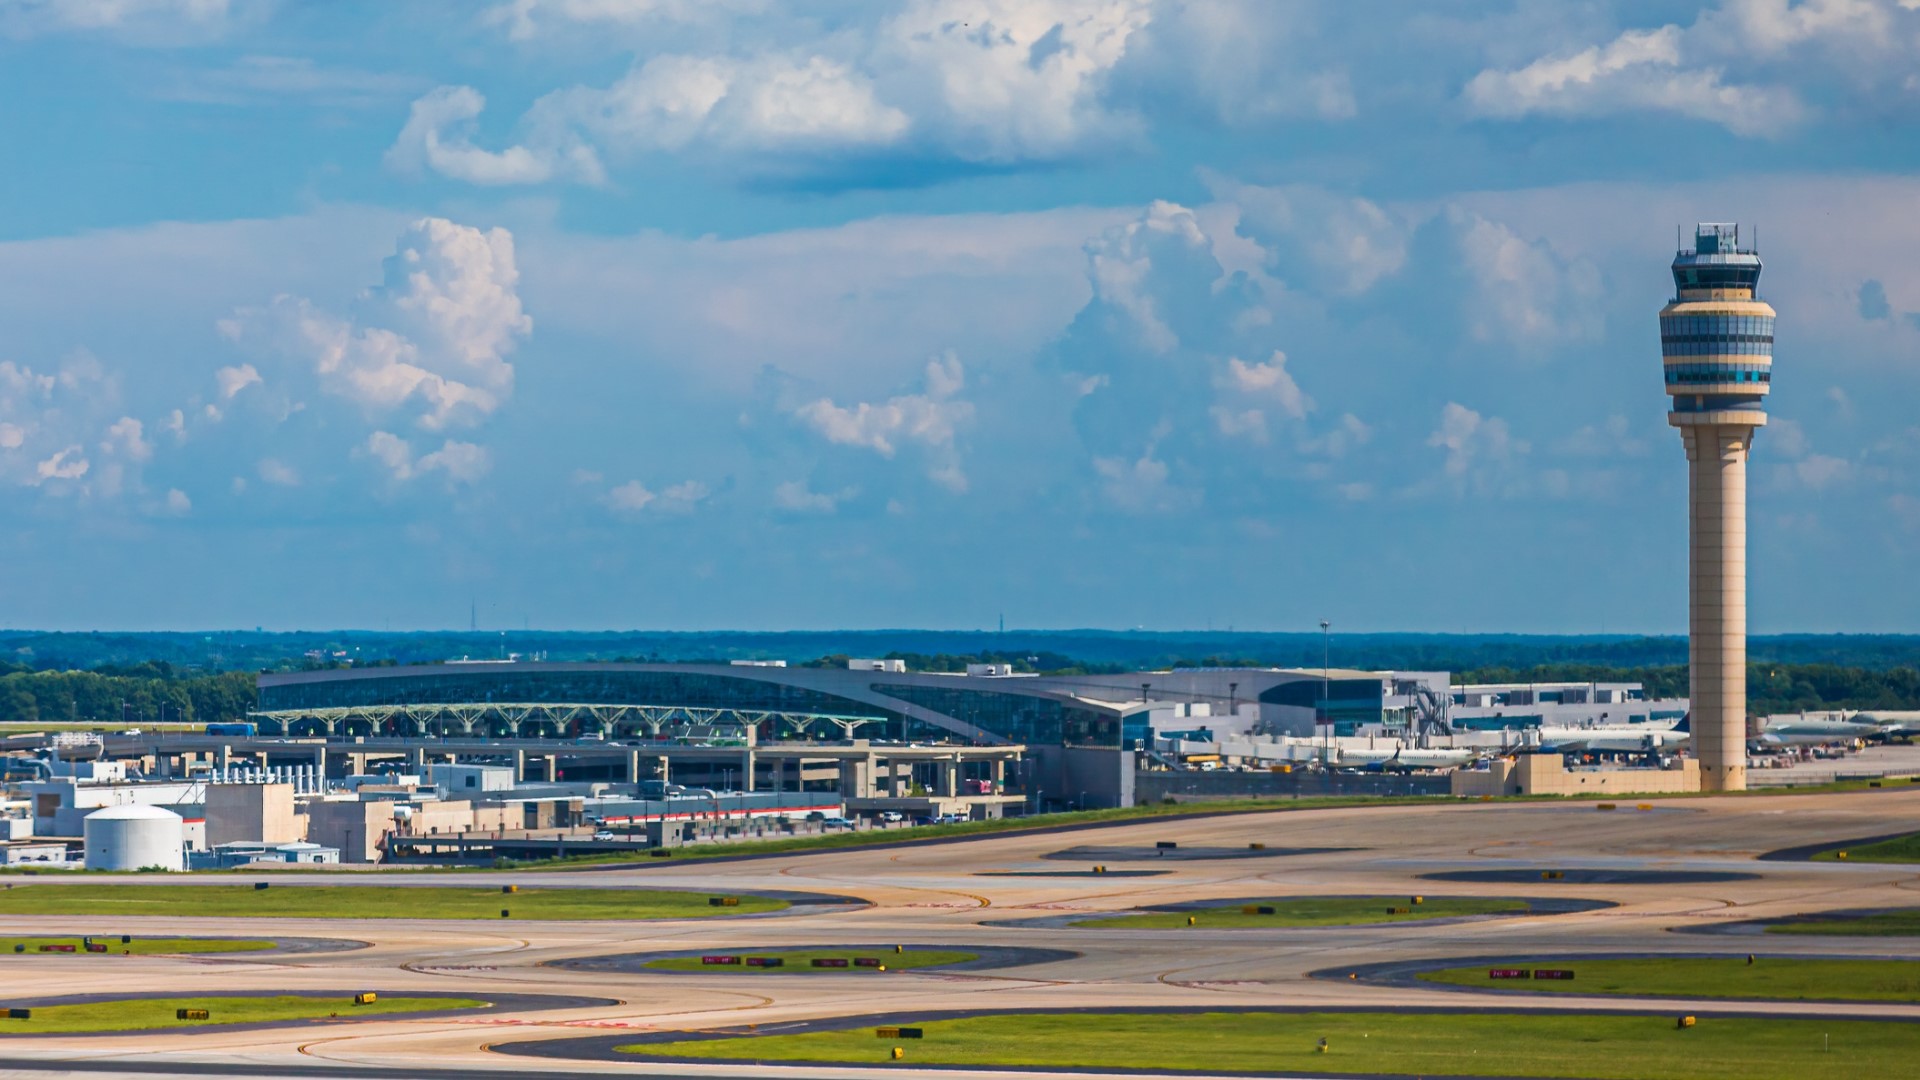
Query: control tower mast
1717	340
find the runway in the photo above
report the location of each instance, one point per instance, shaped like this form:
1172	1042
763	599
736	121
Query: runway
946	894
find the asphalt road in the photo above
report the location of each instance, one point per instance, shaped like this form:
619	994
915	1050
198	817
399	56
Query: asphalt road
945	894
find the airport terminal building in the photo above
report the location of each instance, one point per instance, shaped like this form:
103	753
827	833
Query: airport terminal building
1079	731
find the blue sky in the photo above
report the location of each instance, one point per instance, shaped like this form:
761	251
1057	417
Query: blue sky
739	313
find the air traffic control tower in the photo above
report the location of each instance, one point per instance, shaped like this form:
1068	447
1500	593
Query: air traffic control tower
1717	340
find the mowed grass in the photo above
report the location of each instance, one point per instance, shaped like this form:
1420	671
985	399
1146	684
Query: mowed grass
1599	1047
367	902
1900	849
837	841
1311	911
800	962
1718	977
1902	922
139	946
143	1015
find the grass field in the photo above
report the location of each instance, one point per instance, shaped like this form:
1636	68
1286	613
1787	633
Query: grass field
366	902
142	1015
1310	911
800	961
1606	1047
840	840
1903	922
1900	849
139	946
1723	977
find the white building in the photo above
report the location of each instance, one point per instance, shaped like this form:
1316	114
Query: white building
133	836
62	803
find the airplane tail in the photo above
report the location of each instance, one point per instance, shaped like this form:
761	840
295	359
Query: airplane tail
1685	726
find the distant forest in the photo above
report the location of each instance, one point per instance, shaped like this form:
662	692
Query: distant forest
231	650
187	677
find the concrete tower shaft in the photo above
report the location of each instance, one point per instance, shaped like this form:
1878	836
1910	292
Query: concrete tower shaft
1717	341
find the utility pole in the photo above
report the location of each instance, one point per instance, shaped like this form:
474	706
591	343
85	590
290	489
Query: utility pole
1326	684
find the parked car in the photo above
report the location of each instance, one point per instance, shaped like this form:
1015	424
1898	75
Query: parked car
835	823
892	817
949	819
605	835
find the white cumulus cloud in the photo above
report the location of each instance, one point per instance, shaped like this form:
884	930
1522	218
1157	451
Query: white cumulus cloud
1665	69
275	471
458	462
1482	455
633	497
930	419
438	137
434	337
797	497
232	380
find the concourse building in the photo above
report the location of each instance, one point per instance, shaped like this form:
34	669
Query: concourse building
1079	733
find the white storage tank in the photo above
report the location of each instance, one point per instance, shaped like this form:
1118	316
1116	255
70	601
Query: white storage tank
134	837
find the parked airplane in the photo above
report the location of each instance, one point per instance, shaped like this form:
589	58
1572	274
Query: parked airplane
1801	730
1651	736
1403	759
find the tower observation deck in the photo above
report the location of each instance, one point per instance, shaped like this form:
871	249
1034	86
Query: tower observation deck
1716	338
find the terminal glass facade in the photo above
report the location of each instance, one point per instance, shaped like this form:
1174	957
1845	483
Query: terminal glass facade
1348	704
1016	718
599	687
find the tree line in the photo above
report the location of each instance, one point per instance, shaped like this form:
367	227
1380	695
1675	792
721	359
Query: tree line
1771	687
142	694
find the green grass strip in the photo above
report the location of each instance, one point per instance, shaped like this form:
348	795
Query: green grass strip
139	946
142	1015
1900	849
1719	977
1598	1047
1310	911
1904	922
367	902
842	840
800	961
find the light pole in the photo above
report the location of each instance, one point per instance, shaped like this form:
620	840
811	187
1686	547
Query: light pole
1326	684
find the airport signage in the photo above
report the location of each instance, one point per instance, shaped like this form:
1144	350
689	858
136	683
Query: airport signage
1509	973
830	962
1552	973
720	960
866	961
766	961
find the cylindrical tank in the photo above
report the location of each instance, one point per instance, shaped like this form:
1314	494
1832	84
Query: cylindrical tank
134	837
